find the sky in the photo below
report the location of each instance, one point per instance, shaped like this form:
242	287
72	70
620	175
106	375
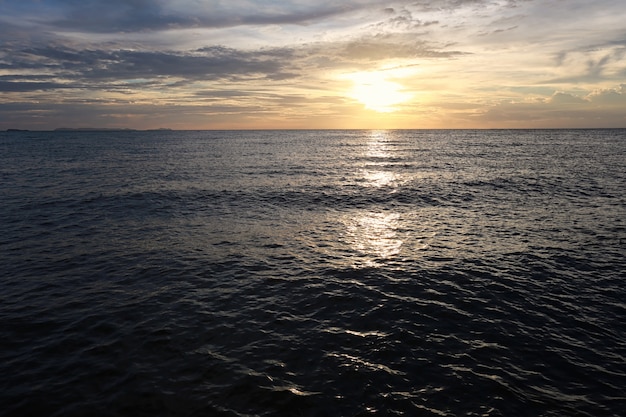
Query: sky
298	64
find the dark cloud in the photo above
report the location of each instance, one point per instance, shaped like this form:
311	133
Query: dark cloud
146	15
63	66
118	16
22	86
211	63
125	16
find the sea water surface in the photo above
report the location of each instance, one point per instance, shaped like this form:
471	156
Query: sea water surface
313	273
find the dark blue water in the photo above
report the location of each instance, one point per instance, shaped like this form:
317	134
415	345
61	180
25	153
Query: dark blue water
313	273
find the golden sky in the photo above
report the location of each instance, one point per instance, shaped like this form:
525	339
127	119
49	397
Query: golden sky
232	64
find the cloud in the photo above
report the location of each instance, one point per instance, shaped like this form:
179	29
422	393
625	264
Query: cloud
601	108
105	65
614	97
98	16
591	64
402	20
210	63
132	16
24	86
565	98
434	5
475	60
385	47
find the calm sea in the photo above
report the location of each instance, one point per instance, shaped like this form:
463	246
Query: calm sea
313	273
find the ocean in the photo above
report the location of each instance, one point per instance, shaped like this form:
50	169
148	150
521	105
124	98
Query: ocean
313	273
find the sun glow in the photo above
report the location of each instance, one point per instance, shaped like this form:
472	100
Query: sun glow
377	92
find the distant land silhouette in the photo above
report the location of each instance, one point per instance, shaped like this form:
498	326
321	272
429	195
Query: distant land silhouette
99	129
95	129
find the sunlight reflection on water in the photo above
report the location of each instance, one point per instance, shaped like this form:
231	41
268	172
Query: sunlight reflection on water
375	234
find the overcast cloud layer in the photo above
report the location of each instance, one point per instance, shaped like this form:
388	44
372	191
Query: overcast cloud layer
194	64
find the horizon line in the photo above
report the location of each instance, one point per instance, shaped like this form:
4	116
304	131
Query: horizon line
126	129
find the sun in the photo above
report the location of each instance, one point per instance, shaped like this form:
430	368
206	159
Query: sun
376	92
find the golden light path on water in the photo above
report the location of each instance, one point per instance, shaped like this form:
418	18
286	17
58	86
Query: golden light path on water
374	234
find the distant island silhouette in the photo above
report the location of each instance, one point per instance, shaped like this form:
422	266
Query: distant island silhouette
89	129
96	129
100	129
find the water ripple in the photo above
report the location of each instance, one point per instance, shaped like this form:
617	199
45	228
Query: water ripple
313	273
